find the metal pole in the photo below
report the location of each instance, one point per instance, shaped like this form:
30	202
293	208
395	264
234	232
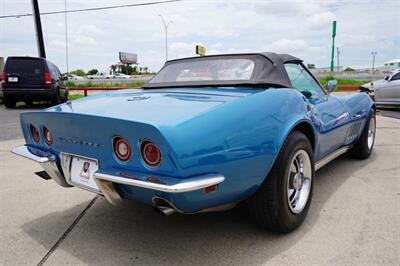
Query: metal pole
38	29
166	35
166	43
66	34
337	54
373	61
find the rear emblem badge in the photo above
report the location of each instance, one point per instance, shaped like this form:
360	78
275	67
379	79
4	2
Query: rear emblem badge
86	167
85	174
138	98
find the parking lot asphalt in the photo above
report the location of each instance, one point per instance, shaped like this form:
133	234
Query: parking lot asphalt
354	219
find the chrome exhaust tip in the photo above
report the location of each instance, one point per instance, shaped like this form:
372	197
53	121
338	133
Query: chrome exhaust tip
164	211
163	207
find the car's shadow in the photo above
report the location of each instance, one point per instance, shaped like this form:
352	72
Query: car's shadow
133	233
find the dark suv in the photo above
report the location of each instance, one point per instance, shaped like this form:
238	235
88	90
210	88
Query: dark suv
32	79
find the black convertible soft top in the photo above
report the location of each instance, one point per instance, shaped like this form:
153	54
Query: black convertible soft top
268	71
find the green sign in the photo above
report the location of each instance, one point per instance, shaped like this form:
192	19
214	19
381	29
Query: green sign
334	28
200	50
333	44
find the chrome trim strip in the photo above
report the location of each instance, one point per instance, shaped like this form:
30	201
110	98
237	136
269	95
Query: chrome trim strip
186	185
321	163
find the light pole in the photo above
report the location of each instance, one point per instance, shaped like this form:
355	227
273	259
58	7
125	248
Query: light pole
373	61
166	24
338	53
66	34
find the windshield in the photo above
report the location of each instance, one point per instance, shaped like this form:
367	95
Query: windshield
206	70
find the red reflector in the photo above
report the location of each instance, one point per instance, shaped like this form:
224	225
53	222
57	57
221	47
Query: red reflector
210	189
122	149
150	153
35	134
4	77
48	138
47	78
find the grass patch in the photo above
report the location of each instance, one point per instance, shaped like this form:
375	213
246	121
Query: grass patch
89	84
75	97
342	82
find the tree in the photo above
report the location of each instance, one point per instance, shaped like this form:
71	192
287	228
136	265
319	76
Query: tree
92	71
349	69
311	66
78	72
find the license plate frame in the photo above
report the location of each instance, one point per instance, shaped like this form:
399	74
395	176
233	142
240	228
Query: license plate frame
81	172
12	79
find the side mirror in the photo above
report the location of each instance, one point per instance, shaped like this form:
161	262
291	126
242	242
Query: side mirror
386	78
331	85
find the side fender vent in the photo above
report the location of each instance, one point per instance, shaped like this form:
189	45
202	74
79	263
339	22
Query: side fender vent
353	131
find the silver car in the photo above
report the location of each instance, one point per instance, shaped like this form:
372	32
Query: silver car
385	91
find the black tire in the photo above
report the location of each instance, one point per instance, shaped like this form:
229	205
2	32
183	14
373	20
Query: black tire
361	149
28	103
66	95
56	98
269	206
9	103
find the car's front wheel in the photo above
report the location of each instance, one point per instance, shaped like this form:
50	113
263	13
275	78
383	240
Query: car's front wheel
282	202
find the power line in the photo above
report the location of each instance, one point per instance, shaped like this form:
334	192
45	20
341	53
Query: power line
92	9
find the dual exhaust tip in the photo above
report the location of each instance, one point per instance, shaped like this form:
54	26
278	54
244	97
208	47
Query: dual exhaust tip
163	207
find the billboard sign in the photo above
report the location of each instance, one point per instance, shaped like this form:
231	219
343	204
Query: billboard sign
127	58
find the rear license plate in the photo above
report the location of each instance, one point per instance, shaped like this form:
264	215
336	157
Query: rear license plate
82	170
12	79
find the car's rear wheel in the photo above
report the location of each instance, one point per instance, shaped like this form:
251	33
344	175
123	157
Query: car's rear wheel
9	103
363	147
28	102
282	202
66	95
56	98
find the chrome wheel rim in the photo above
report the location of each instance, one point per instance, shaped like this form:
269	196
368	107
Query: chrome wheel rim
371	133
299	181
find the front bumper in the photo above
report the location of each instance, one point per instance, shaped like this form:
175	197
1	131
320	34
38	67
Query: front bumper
106	179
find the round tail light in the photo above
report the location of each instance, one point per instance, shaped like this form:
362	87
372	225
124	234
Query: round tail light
35	134
150	153
122	149
48	138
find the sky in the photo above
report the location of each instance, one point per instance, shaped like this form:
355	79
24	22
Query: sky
298	27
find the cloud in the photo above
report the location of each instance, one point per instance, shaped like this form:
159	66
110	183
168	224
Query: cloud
90	29
300	27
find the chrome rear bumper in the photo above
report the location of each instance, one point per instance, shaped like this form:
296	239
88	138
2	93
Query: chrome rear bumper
105	181
46	160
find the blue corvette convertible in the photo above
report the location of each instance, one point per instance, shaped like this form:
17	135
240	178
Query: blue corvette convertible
203	135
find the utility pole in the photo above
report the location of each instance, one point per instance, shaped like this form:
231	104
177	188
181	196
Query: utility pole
38	28
337	54
333	44
166	24
66	33
373	61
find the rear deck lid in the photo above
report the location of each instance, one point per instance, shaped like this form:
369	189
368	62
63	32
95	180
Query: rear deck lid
158	107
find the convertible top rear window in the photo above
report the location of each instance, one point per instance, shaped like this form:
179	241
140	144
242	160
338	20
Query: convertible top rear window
253	69
206	70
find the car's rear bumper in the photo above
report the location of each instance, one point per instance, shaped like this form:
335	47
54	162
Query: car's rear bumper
28	92
106	180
